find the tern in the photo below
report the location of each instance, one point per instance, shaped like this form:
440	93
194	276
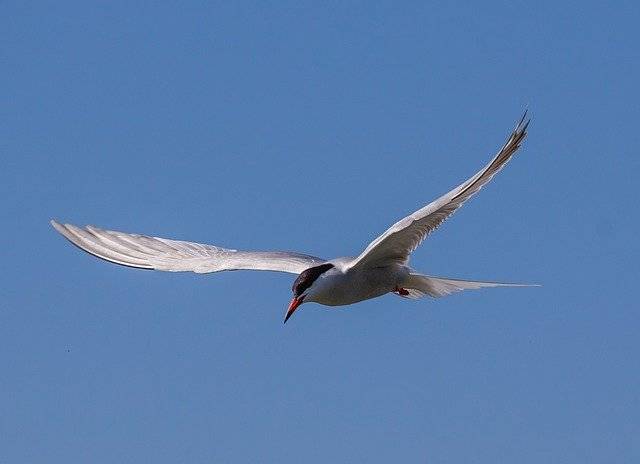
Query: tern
380	269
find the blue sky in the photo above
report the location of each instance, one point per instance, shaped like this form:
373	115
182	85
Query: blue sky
313	126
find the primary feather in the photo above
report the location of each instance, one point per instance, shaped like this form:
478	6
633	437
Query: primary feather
162	254
402	238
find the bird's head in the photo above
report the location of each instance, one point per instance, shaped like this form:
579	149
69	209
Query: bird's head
304	288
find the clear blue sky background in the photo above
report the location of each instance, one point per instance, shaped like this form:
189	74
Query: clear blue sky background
312	126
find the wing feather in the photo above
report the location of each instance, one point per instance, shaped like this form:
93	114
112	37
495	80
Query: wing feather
146	252
402	238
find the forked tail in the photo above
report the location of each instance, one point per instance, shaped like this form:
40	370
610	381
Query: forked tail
418	285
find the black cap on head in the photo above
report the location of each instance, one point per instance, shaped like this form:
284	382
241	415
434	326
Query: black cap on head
308	277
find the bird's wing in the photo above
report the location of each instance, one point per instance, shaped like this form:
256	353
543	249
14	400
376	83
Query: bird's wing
404	236
161	254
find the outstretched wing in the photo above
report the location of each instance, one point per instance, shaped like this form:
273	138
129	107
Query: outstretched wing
161	254
403	237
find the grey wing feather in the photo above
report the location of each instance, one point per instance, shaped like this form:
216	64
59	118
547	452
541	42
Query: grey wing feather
145	252
405	236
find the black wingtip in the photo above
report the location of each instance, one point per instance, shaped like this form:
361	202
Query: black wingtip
524	115
523	124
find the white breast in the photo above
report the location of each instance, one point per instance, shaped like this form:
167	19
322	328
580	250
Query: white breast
337	287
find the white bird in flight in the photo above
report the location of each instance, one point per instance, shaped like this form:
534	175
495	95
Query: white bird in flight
381	268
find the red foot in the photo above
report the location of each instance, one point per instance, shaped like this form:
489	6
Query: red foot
401	291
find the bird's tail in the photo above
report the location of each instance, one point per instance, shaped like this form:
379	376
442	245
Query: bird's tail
418	285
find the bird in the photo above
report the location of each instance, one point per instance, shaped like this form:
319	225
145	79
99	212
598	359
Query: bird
383	266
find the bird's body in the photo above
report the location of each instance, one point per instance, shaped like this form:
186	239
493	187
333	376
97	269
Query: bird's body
380	269
343	286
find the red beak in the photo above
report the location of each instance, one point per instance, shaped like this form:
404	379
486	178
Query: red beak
295	302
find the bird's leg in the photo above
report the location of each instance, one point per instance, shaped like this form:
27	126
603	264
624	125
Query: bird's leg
401	291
